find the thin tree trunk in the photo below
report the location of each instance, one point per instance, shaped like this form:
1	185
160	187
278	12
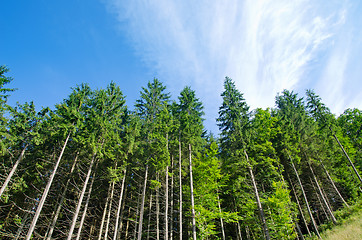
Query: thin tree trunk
322	195
239	231
334	186
8	178
299	206
119	234
345	153
104	213
61	202
46	191
75	217
319	200
192	196
85	207
180	197
221	220
119	206
149	218
109	211
261	212
305	199
171	207
166	205
157	209
142	206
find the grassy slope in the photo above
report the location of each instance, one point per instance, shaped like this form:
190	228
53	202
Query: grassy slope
349	230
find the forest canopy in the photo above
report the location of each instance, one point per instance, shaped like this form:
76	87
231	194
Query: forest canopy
91	168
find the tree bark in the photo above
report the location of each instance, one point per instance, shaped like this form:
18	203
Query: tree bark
142	206
46	191
8	178
305	199
171	207
109	211
345	153
157	209
261	212
221	220
104	213
60	205
166	205
85	207
119	206
192	196
322	195
180	186
334	186
299	206
75	217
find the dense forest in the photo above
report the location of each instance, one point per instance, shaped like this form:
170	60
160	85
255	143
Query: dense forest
91	168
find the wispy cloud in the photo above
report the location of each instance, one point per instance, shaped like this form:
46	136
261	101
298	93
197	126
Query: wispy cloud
264	46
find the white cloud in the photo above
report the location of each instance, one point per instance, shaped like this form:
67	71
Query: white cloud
264	46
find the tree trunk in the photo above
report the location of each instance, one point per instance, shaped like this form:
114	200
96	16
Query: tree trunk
157	209
104	213
119	234
334	186
109	211
8	178
70	234
149	218
166	205
119	206
345	153
171	207
61	202
46	191
305	199
322	195
192	196
319	200
180	197
85	207
142	206
299	206
261	212
221	220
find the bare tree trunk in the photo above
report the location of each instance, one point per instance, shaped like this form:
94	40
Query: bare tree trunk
221	220
109	211
334	186
70	234
157	210
180	197
319	200
322	195
60	205
299	206
142	206
305	199
171	207
261	212
166	205
8	178
104	213
239	231
119	234
192	196
119	206
149	219
46	191
345	153
85	207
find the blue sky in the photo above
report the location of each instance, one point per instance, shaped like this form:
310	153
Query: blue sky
264	46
